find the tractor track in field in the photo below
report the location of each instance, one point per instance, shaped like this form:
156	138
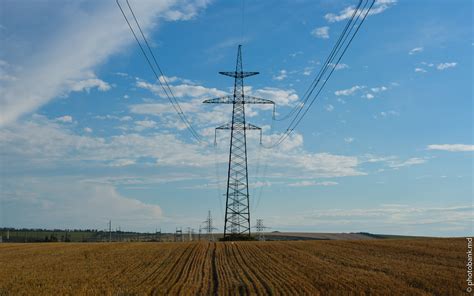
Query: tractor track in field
215	276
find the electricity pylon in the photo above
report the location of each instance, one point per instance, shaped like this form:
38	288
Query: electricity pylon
209	227
237	210
260	228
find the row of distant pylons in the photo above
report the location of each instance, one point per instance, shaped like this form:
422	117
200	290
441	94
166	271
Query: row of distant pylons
208	228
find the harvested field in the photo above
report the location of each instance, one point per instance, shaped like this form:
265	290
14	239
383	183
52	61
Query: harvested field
364	267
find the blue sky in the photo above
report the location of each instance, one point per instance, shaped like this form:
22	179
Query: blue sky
87	135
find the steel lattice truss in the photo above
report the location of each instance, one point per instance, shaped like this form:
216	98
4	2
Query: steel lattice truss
237	213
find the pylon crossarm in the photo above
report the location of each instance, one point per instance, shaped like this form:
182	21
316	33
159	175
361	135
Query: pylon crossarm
240	74
225	126
220	100
228	126
255	100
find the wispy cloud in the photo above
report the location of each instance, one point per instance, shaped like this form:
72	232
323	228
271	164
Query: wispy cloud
91	81
81	38
321	32
444	66
66	201
339	66
65	118
295	54
281	75
182	90
144	124
451	147
307	183
379	7
368	96
349	91
379	89
329	107
407	163
415	50
384	114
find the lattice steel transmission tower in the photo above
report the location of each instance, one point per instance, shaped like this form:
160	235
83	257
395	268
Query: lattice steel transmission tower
260	228
178	235
209	227
237	210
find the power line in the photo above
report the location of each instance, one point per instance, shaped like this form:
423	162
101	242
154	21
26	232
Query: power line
323	69
297	119
164	84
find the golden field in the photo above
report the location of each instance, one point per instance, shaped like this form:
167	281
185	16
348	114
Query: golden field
364	267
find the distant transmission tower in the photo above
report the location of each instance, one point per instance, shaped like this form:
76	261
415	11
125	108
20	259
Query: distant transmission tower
110	231
209	227
260	229
237	210
178	235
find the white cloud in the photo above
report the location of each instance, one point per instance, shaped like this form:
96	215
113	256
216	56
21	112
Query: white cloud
87	84
182	90
451	147
49	143
388	113
161	108
6	70
329	107
379	89
307	71
341	66
321	32
407	163
368	96
281	97
281	75
349	140
379	7
122	162
428	64
144	124
66	202
394	218
349	91
295	54
205	114
125	118
108	116
328	165
65	118
82	38
307	183
168	79
88	130
415	50
444	66
40	143
420	70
